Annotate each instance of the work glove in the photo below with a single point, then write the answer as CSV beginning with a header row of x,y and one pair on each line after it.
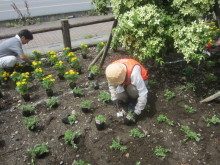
x,y
115,103
129,120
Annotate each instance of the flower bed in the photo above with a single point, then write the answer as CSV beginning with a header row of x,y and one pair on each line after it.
x,y
94,145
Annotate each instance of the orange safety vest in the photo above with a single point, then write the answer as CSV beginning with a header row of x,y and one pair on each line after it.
x,y
130,64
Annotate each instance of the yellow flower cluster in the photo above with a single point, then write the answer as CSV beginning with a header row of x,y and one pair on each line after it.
x,y
53,56
48,77
102,43
83,45
13,73
25,74
71,72
22,82
67,48
37,52
5,74
51,52
73,59
38,70
60,63
71,54
36,63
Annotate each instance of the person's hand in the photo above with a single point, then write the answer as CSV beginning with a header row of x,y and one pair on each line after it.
x,y
115,103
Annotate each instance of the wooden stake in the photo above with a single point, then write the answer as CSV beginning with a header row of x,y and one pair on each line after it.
x,y
210,98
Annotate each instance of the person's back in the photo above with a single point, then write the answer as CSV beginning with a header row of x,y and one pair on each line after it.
x,y
10,47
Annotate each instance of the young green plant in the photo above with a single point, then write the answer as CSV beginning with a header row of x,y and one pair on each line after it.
x,y
100,118
94,69
117,146
136,133
188,86
105,97
189,109
52,102
189,134
38,150
86,104
162,118
30,122
169,95
214,120
69,137
161,152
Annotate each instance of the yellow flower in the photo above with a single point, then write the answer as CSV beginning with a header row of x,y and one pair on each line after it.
x,y
18,83
73,59
52,79
71,54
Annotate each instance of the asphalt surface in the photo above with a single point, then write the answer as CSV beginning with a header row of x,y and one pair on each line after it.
x,y
53,41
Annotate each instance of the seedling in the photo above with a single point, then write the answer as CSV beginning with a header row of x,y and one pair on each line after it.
x,y
117,146
210,64
69,137
27,107
210,77
100,118
169,95
214,120
30,122
153,83
162,118
52,102
130,116
86,104
188,86
161,152
105,97
100,45
80,162
189,134
95,70
136,133
72,119
189,109
38,150
27,110
78,91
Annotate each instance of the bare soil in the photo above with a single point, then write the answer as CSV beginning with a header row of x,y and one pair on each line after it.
x,y
94,145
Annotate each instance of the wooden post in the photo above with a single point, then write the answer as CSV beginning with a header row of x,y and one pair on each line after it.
x,y
66,33
108,44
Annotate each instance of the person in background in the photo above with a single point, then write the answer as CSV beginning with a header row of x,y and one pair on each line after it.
x,y
127,80
11,51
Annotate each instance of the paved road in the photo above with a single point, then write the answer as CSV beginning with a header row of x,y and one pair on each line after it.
x,y
53,40
42,7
